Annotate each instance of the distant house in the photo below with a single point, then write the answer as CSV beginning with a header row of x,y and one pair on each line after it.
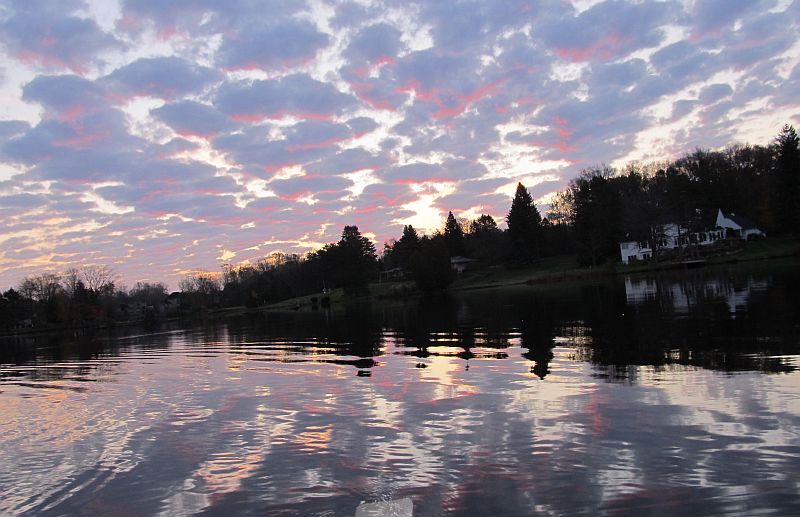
x,y
460,264
669,236
673,236
738,226
633,251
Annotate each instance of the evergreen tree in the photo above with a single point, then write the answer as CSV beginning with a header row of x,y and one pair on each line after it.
x,y
430,265
787,149
483,225
404,248
350,263
524,225
597,218
453,236
485,241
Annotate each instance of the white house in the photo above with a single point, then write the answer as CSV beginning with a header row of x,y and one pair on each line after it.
x,y
631,251
737,225
667,237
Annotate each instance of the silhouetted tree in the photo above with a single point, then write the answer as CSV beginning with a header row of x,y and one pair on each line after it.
x,y
596,216
98,279
430,265
148,293
398,253
524,225
787,157
350,263
11,309
485,241
200,290
360,262
453,235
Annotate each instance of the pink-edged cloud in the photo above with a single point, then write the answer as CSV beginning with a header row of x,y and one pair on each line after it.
x,y
162,77
296,95
191,118
51,36
606,30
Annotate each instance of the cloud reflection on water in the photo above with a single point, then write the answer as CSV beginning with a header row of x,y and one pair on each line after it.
x,y
266,414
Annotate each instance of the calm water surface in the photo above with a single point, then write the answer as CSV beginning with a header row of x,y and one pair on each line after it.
x,y
670,394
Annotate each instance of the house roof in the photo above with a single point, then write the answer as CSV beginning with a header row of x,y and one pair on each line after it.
x,y
742,221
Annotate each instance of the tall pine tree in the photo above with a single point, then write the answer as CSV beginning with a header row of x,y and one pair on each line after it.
x,y
787,145
453,236
524,225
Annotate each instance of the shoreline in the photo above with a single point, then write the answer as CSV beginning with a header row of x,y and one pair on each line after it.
x,y
548,271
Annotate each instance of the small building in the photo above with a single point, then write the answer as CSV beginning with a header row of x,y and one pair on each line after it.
x,y
738,226
388,275
460,264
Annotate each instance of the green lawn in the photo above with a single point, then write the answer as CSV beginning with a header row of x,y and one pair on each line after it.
x,y
762,250
551,269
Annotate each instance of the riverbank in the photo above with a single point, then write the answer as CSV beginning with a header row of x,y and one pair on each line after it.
x,y
551,270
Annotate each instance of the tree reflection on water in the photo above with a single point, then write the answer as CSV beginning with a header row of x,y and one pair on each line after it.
x,y
485,402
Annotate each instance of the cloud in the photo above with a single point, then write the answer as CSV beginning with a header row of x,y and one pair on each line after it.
x,y
714,93
22,201
68,96
350,14
50,36
467,23
161,77
280,45
200,16
683,61
190,118
711,16
326,187
296,95
12,128
379,43
348,160
606,30
255,152
447,171
477,193
362,125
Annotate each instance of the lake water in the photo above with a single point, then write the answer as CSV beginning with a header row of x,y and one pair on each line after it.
x,y
676,394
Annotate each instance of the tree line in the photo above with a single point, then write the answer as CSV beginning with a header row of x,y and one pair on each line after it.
x,y
603,206
599,208
78,297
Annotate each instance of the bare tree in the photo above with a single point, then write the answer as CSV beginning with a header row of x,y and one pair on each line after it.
x,y
97,278
200,282
149,294
72,281
27,288
201,289
47,286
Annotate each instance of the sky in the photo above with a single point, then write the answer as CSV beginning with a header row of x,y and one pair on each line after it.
x,y
160,138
